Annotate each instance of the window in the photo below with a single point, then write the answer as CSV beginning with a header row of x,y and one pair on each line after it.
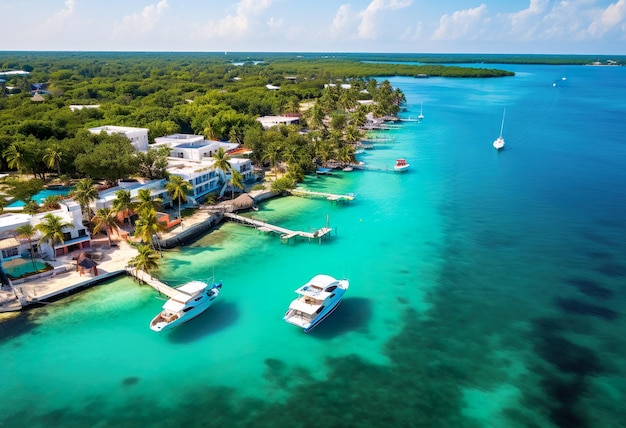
x,y
9,252
82,232
67,236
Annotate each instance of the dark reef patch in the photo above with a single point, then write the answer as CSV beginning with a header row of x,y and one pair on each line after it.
x,y
575,306
131,380
590,288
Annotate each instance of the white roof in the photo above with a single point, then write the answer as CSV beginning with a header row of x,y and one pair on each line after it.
x,y
192,287
305,308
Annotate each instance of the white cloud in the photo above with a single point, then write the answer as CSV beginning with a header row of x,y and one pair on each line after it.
x,y
608,19
57,19
368,28
462,24
146,20
342,19
236,25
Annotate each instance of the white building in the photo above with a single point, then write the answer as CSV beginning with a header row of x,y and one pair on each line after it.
x,y
76,238
75,107
137,136
269,121
156,187
192,147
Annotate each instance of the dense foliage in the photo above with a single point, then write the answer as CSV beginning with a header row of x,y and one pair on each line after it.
x,y
210,94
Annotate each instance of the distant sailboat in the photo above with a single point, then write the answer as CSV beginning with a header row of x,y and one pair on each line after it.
x,y
421,116
498,144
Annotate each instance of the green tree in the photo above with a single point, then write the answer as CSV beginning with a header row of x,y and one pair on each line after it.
x,y
148,227
178,188
146,201
23,190
53,155
106,218
236,180
146,260
51,229
123,204
17,157
85,193
27,231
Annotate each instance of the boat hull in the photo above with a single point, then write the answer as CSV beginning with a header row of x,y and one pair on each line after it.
x,y
159,323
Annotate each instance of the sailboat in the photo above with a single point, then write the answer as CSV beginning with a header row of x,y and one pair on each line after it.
x,y
421,116
498,144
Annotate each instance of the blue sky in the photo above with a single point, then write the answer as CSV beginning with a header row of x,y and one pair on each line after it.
x,y
419,26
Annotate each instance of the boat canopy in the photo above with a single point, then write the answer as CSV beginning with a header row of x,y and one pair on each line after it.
x,y
173,305
192,287
305,308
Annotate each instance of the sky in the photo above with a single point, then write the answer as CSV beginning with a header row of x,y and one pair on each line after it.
x,y
403,26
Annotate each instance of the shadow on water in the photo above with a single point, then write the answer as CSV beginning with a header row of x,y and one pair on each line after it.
x,y
590,288
353,314
216,318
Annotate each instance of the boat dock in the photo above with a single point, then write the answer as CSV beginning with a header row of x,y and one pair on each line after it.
x,y
328,196
285,234
159,286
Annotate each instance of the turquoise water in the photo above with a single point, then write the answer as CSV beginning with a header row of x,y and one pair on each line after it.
x,y
24,266
41,196
486,288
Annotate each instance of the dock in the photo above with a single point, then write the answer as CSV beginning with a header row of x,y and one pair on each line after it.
x,y
285,234
159,286
328,196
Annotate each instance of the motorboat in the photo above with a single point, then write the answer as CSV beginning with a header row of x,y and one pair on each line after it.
x,y
498,144
316,300
401,165
348,168
186,302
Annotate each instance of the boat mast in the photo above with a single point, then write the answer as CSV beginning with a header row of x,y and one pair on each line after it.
x,y
502,125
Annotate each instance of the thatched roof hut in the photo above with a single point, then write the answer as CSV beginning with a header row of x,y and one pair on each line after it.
x,y
243,202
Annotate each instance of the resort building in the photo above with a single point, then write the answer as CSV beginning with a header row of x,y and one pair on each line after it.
x,y
156,187
269,121
191,157
75,107
191,147
137,136
14,247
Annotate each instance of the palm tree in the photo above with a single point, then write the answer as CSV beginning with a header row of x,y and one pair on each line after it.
x,y
27,231
148,226
273,154
85,193
52,157
146,260
235,181
222,165
106,218
51,229
178,188
31,207
123,204
146,201
16,158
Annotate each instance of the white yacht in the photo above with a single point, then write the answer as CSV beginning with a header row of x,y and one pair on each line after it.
x,y
316,299
189,301
498,144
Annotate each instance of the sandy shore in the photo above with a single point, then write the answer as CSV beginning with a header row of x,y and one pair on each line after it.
x,y
110,259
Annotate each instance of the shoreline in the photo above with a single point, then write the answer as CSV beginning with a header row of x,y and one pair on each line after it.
x,y
65,279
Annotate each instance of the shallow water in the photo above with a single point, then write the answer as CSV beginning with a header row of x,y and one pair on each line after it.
x,y
486,288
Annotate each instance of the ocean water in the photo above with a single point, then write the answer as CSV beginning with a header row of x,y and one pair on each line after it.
x,y
486,288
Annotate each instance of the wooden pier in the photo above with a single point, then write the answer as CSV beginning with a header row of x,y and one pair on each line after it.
x,y
285,234
159,286
328,196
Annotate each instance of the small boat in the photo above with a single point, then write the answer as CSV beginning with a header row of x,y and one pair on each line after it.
x,y
316,300
324,171
348,168
498,144
421,115
192,299
401,165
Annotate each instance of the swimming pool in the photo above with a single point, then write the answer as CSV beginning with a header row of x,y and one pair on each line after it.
x,y
21,267
41,196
